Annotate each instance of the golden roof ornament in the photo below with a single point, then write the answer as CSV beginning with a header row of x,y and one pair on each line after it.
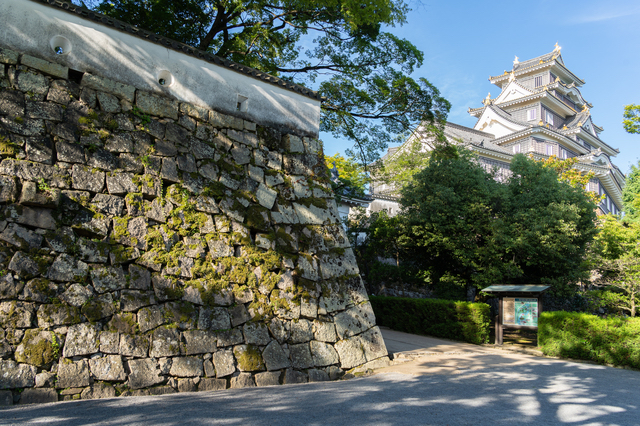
x,y
540,123
557,79
516,61
556,48
512,77
487,100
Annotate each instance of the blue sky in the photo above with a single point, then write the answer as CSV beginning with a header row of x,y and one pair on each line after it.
x,y
465,42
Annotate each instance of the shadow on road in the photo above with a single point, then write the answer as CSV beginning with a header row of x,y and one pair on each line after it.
x,y
452,389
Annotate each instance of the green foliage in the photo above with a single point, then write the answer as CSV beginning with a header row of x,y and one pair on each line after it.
x,y
550,226
460,225
361,70
631,120
615,255
581,336
413,156
353,179
450,221
456,320
631,195
574,177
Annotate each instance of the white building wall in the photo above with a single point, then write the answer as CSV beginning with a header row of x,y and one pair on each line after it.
x,y
30,27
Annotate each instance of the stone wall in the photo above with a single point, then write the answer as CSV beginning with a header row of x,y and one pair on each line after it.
x,y
151,246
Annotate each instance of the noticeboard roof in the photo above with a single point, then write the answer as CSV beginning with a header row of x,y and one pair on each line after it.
x,y
513,288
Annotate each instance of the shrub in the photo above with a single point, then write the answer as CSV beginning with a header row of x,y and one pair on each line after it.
x,y
456,320
611,340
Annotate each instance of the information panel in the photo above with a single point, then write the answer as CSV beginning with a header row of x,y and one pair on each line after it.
x,y
519,311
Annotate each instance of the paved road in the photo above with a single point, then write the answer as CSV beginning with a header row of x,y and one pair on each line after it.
x,y
466,387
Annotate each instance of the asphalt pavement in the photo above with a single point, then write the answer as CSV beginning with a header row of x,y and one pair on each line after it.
x,y
441,382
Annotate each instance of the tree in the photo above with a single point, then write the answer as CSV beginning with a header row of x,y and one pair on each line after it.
x,y
462,226
617,260
452,214
631,195
413,156
568,173
550,226
352,179
631,120
361,70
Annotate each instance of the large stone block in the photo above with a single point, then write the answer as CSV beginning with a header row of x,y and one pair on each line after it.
x,y
51,315
21,237
108,368
144,373
187,367
102,84
274,357
211,384
355,320
98,390
68,269
165,342
38,396
14,375
248,358
350,352
134,345
373,344
323,354
73,374
16,315
243,380
82,339
224,363
107,278
301,356
199,342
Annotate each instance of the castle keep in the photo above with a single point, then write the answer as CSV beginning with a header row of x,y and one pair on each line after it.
x,y
540,111
167,222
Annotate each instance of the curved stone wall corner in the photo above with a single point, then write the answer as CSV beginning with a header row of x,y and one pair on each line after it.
x,y
152,246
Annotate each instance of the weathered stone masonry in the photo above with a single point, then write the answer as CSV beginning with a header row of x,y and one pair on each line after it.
x,y
150,246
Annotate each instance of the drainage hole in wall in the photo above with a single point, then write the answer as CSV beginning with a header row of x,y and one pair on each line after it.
x,y
75,76
165,78
60,45
242,103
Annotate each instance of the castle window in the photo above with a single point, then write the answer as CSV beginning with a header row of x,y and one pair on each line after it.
x,y
563,153
531,114
548,116
516,149
549,150
538,81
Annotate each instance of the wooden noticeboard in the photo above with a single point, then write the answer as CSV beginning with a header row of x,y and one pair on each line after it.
x,y
519,307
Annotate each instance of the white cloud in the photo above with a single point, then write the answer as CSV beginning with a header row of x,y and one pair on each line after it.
x,y
603,13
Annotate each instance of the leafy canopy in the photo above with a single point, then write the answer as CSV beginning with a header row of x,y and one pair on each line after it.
x,y
616,258
462,225
631,195
631,120
352,179
339,47
569,174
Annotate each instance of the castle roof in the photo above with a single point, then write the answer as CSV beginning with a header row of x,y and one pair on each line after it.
x,y
547,60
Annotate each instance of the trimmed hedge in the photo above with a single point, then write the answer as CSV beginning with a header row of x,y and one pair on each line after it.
x,y
455,320
612,340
